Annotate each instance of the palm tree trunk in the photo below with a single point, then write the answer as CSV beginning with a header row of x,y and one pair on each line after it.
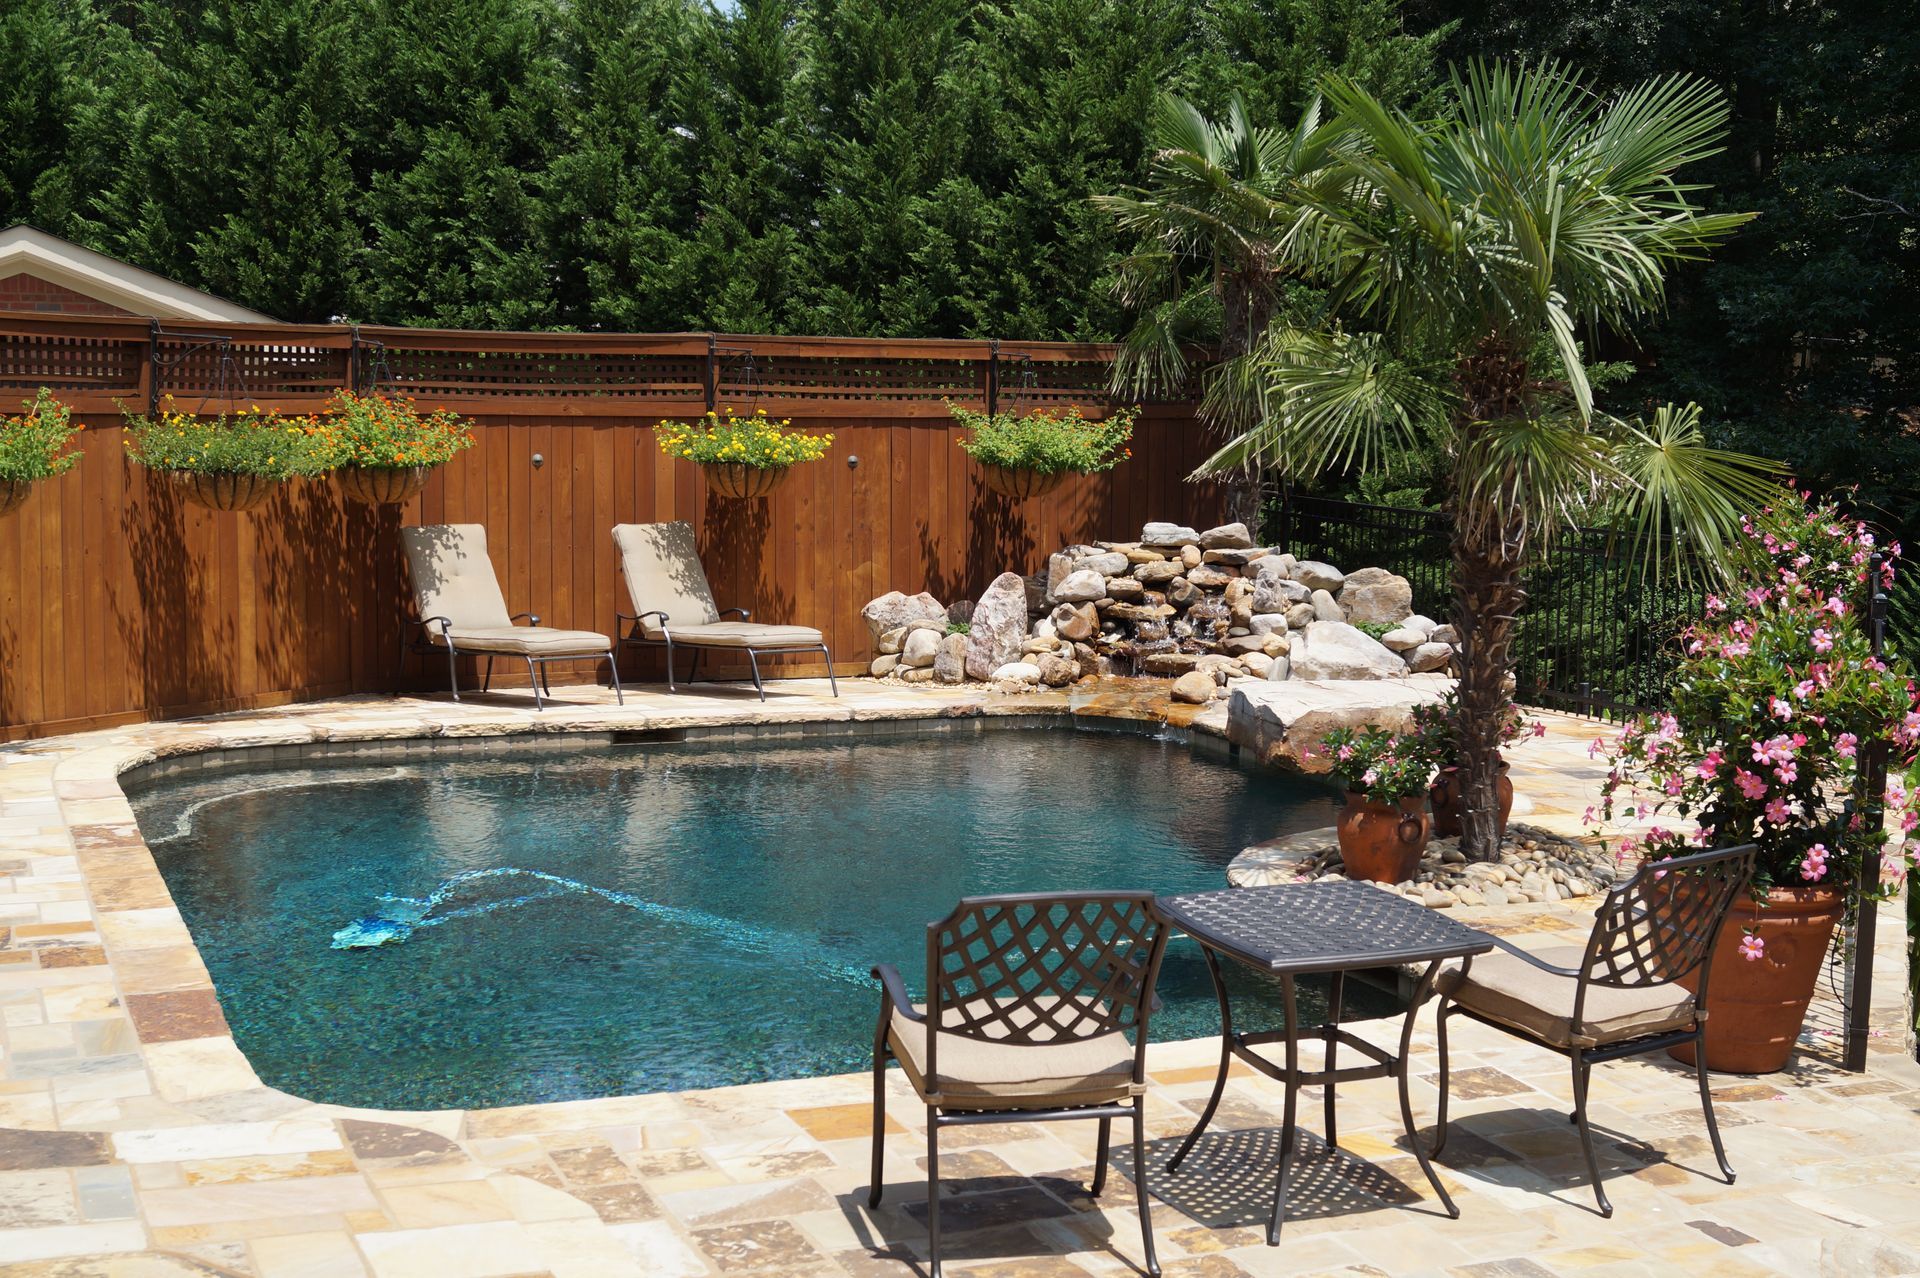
x,y
1247,306
1489,545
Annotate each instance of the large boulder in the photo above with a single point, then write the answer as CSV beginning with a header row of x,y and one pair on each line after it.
x,y
894,611
921,648
999,626
1282,724
1081,586
1315,575
950,663
1277,594
1335,650
1158,535
1226,537
1377,596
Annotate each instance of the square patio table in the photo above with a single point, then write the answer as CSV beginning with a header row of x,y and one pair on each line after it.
x,y
1297,929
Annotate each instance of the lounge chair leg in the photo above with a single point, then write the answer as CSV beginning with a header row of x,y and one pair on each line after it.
x,y
693,670
1706,1106
1100,1157
831,681
613,668
546,680
933,1192
533,674
1440,1117
754,662
1581,1070
1140,1180
486,676
879,1123
670,687
453,671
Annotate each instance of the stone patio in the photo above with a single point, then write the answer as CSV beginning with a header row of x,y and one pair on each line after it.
x,y
135,1138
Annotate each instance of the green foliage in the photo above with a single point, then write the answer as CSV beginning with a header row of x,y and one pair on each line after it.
x,y
1373,629
246,441
1045,441
36,444
959,628
387,431
1378,764
754,440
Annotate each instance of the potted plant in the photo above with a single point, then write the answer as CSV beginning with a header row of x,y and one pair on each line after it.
x,y
741,456
1029,454
231,462
383,446
1385,827
34,446
1435,723
1775,702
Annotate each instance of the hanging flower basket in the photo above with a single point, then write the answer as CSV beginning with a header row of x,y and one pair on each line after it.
x,y
225,490
33,446
742,482
383,485
1017,483
12,493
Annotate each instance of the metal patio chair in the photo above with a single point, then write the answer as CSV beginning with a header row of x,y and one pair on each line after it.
x,y
461,611
673,605
1030,998
1618,997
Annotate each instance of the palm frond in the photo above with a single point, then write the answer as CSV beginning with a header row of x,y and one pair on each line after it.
x,y
1687,498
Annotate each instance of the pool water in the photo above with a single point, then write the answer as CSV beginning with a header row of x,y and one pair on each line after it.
x,y
785,870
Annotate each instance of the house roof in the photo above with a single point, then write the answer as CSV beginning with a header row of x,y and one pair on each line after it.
x,y
28,249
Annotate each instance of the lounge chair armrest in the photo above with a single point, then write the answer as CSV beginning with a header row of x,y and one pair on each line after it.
x,y
533,618
894,991
426,622
636,618
1535,959
744,614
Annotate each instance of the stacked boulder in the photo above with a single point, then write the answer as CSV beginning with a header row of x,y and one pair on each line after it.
x,y
1203,607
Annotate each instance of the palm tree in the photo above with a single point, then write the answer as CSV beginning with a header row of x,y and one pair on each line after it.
x,y
1462,257
1221,196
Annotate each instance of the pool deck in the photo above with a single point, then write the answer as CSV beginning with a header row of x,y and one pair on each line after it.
x,y
135,1139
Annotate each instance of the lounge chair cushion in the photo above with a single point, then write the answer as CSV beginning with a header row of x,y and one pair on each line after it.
x,y
741,634
661,563
452,576
1539,1004
526,641
977,1074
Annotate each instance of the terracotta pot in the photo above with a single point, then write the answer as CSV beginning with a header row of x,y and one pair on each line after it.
x,y
225,491
1446,804
12,493
740,481
1383,841
1019,483
1755,1006
382,485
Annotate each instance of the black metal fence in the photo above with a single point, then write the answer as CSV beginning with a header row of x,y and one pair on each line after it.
x,y
1598,636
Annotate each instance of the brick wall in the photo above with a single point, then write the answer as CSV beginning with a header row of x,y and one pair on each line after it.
x,y
25,292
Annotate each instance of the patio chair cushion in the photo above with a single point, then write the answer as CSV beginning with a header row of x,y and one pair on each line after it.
x,y
1539,1004
526,641
452,576
661,563
741,634
978,1074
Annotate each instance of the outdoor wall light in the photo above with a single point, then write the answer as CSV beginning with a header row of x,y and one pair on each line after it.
x,y
853,459
539,460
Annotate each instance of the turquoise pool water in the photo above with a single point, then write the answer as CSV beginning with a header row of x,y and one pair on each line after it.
x,y
781,872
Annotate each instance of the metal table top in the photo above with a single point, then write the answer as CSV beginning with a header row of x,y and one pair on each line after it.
x,y
1320,927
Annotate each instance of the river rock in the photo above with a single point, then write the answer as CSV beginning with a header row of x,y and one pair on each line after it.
x,y
950,662
1238,558
1241,645
1123,588
883,665
1182,593
1403,638
1272,566
1226,537
1376,596
1158,573
1335,650
1140,612
1140,554
1429,656
1016,672
1107,564
1192,556
1425,625
1257,663
919,649
893,610
1315,575
915,674
1300,616
1268,623
1169,663
1210,577
1196,687
1077,622
1057,671
960,612
1159,535
1081,586
1445,634
999,625
1277,594
1325,609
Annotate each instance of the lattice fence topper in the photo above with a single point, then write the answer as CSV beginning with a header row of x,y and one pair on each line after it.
x,y
397,918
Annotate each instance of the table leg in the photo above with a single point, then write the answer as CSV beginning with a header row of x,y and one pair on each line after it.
x,y
1330,1031
1226,1061
1402,1070
1289,1132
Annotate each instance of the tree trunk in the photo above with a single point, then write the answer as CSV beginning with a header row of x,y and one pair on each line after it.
x,y
1489,545
1246,302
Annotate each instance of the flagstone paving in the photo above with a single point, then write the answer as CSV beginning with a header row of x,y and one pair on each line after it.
x,y
136,1140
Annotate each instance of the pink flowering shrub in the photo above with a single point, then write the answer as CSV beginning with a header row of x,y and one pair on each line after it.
x,y
1433,728
1776,694
1380,765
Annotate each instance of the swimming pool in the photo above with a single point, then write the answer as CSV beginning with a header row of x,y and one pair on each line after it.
x,y
775,875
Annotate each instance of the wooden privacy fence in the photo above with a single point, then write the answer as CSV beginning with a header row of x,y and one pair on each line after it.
x,y
120,602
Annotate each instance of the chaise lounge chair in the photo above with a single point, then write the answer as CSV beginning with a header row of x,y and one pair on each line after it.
x,y
463,613
673,605
1620,995
1029,1002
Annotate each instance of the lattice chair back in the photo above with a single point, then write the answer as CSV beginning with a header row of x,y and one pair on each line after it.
x,y
1040,969
1661,925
